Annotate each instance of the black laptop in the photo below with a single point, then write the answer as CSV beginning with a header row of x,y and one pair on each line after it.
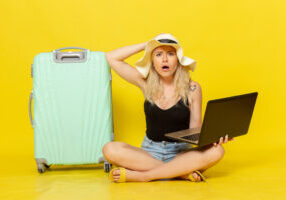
x,y
230,115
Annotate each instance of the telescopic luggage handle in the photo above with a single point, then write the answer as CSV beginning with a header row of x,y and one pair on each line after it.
x,y
30,112
64,48
69,57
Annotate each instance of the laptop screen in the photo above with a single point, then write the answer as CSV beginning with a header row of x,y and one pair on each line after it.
x,y
231,115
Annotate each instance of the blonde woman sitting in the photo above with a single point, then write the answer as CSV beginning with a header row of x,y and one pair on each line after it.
x,y
172,102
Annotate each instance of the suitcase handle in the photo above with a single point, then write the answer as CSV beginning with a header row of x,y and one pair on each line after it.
x,y
70,57
76,56
30,112
64,48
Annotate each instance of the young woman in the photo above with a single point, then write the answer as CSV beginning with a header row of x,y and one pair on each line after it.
x,y
172,102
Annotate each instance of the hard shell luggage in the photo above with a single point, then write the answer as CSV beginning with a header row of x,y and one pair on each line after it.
x,y
72,107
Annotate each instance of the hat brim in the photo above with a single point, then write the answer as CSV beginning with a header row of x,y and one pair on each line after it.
x,y
143,65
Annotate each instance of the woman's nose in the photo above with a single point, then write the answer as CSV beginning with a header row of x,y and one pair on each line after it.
x,y
165,57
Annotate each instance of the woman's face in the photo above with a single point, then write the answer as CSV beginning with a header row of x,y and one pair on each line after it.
x,y
165,60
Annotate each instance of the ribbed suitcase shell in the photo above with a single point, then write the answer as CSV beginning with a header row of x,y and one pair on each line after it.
x,y
72,109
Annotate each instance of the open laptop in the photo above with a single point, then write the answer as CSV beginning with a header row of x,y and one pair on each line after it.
x,y
230,115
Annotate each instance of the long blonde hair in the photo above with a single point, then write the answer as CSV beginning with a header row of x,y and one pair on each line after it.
x,y
154,87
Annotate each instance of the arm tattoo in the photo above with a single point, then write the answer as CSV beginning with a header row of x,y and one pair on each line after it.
x,y
193,87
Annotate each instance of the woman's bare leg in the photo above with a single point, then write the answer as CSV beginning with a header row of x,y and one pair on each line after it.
x,y
133,158
138,160
180,165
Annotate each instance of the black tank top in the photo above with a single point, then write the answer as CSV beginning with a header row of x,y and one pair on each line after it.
x,y
160,122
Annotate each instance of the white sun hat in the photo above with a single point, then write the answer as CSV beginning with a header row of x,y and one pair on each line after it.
x,y
143,65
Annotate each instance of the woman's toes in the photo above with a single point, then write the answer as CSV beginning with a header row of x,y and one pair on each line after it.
x,y
116,172
116,178
196,177
116,175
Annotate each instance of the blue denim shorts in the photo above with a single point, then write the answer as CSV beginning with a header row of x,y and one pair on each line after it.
x,y
164,151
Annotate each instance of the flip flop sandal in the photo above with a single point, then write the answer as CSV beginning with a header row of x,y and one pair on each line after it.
x,y
122,177
198,173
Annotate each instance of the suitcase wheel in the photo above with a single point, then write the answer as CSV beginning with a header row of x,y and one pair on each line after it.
x,y
41,168
42,165
107,167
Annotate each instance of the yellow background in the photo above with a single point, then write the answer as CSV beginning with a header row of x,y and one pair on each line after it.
x,y
239,47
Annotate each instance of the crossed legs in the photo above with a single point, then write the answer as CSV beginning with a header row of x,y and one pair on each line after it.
x,y
141,166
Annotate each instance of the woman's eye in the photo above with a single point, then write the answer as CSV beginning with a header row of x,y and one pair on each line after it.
x,y
158,54
171,53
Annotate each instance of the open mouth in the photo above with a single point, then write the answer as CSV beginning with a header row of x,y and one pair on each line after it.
x,y
165,68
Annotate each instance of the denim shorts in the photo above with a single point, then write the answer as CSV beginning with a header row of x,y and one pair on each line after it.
x,y
164,151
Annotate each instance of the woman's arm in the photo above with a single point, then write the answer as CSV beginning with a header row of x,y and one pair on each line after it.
x,y
195,105
116,57
196,110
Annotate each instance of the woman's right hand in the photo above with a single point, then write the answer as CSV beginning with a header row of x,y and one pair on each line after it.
x,y
223,140
120,54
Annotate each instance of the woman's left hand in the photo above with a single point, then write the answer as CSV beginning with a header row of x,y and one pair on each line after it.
x,y
223,140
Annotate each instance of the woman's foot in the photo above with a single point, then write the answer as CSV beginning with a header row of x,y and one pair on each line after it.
x,y
194,174
137,176
131,176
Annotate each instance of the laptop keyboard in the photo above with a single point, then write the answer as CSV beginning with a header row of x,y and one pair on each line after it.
x,y
193,137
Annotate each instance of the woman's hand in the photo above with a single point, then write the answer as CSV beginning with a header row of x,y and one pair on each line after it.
x,y
223,140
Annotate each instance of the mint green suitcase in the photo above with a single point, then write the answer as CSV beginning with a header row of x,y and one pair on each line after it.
x,y
72,107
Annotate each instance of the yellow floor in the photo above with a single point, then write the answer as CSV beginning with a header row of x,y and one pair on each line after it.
x,y
244,173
